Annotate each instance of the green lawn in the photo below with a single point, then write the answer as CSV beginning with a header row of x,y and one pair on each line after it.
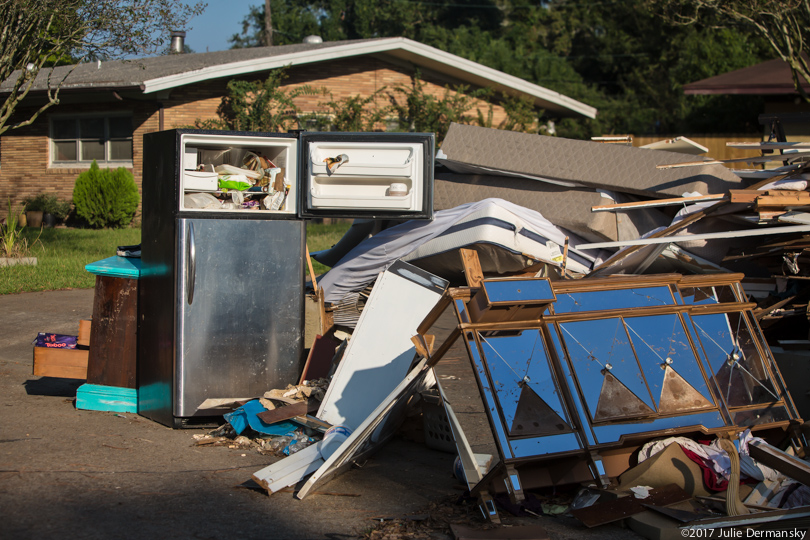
x,y
63,253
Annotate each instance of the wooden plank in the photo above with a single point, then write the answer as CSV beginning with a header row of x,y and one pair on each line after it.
x,y
769,145
675,201
289,470
754,159
84,332
319,359
691,237
610,511
745,196
472,267
92,397
280,414
66,363
113,335
311,271
783,462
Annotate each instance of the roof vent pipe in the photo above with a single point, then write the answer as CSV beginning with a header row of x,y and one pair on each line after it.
x,y
313,39
178,45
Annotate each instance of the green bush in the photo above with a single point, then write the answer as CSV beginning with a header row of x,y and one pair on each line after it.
x,y
106,197
49,204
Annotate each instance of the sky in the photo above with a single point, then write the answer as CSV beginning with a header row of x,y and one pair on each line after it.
x,y
220,20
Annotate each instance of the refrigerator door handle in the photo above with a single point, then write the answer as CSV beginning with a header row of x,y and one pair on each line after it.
x,y
191,269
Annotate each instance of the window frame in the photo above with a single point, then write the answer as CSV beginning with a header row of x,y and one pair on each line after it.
x,y
77,139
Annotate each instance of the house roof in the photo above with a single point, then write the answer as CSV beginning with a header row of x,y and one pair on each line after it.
x,y
771,77
161,73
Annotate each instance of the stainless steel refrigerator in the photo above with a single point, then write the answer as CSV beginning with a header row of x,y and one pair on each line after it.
x,y
221,292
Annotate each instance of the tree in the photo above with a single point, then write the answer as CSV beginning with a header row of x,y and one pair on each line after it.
x,y
259,105
37,35
782,23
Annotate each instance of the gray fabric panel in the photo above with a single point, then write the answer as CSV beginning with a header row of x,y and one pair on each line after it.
x,y
599,165
568,208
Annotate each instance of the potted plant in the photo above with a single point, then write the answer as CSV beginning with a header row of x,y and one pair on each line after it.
x,y
45,209
34,210
55,210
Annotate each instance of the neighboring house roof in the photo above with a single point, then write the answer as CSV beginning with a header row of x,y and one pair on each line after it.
x,y
771,77
160,73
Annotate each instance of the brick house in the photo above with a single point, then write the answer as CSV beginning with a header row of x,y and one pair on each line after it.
x,y
773,81
106,107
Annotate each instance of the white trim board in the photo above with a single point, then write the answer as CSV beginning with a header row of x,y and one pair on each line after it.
x,y
369,432
380,351
402,48
691,237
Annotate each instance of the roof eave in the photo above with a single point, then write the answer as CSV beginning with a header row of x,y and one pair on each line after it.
x,y
741,90
463,69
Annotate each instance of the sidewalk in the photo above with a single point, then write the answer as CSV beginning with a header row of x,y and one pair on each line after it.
x,y
67,473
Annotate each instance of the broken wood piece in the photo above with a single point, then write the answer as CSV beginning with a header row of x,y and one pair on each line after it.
x,y
311,270
768,145
691,237
782,199
676,201
618,509
287,412
84,333
472,267
783,462
753,159
290,470
64,363
320,358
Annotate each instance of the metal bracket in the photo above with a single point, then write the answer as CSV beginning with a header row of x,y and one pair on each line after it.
x,y
513,485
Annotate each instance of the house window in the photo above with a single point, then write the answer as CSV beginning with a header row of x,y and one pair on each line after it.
x,y
106,139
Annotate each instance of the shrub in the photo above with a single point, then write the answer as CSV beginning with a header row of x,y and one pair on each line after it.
x,y
106,197
49,204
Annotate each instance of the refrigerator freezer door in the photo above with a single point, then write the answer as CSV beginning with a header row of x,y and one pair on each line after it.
x,y
239,309
372,175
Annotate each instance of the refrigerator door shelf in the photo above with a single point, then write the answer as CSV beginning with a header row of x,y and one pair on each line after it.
x,y
364,159
367,192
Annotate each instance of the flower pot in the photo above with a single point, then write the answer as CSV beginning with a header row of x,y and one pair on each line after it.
x,y
22,221
49,220
34,218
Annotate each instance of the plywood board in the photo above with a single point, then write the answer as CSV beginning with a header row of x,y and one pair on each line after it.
x,y
66,363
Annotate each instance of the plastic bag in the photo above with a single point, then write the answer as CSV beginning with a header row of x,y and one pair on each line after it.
x,y
200,200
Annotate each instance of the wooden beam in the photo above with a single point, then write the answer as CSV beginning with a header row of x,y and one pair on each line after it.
x,y
692,237
658,202
472,267
769,145
753,159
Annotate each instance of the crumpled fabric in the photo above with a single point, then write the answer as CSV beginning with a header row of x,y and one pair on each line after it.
x,y
716,458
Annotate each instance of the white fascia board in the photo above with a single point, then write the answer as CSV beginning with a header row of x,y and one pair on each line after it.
x,y
468,70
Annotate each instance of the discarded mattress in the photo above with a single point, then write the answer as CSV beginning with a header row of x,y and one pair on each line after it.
x,y
566,207
494,222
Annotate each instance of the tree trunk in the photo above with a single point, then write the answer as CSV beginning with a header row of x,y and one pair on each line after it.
x,y
268,24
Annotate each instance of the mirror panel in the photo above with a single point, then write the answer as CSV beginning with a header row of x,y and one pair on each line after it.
x,y
616,299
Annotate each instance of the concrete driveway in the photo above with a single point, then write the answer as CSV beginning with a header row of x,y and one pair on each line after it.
x,y
67,473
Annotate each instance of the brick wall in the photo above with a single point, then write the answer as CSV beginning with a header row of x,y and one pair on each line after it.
x,y
24,152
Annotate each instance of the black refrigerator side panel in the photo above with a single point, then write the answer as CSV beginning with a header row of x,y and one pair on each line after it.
x,y
156,328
